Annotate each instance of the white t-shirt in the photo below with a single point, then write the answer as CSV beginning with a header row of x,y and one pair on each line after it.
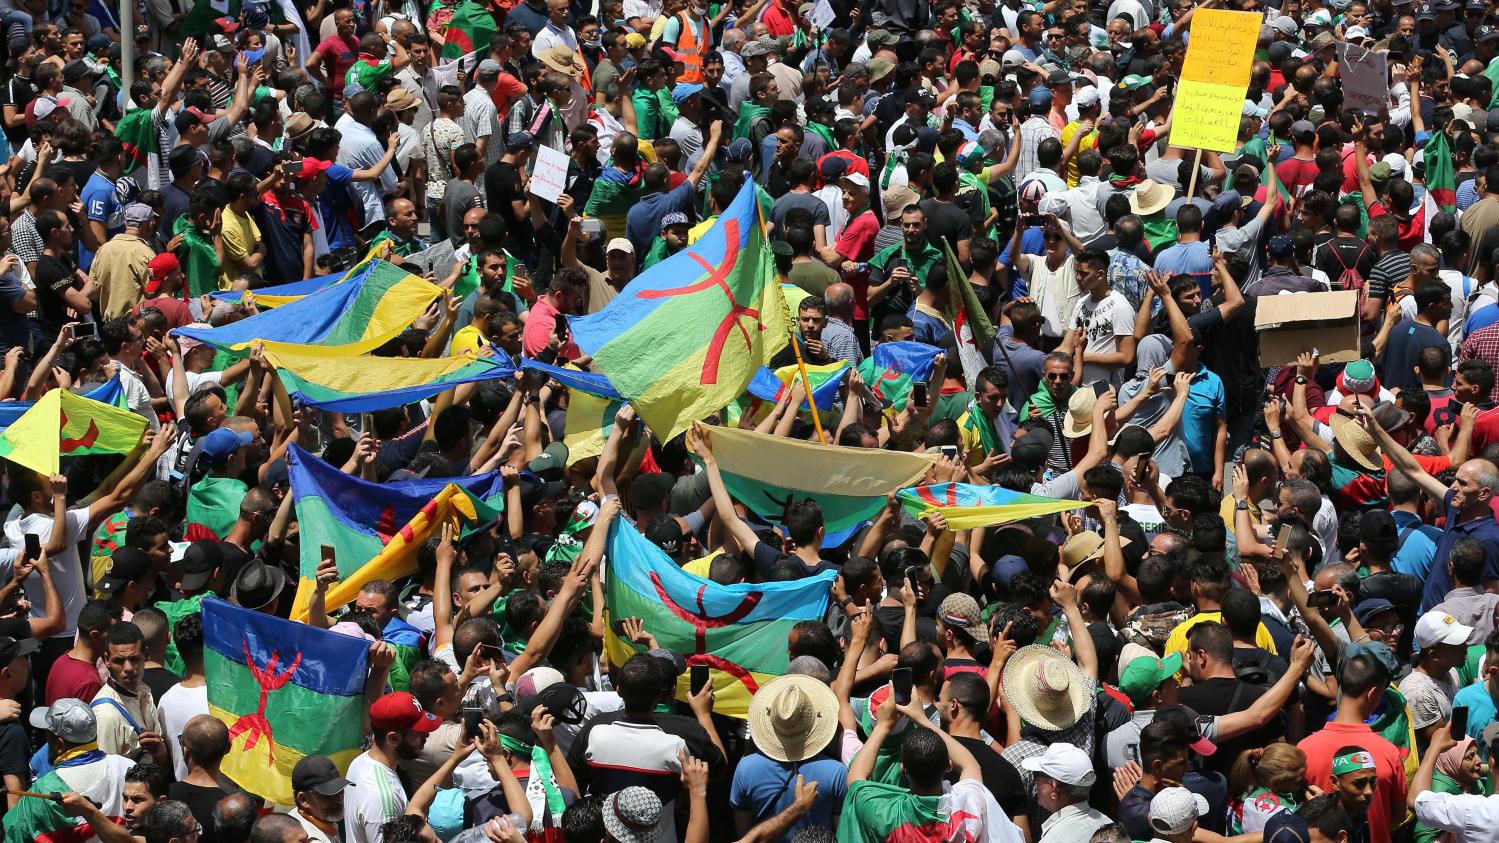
x,y
67,571
1104,322
137,397
177,706
194,380
1054,291
375,798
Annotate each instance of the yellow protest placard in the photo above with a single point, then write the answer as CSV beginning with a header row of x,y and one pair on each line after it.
x,y
1221,48
1207,116
1215,76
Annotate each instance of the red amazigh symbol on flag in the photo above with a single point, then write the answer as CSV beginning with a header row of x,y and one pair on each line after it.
x,y
717,277
887,375
386,529
951,497
85,441
268,680
701,623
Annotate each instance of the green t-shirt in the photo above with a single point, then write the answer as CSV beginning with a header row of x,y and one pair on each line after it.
x,y
200,261
367,74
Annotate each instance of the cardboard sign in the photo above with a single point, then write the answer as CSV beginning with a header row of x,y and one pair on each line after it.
x,y
1291,323
549,177
1364,74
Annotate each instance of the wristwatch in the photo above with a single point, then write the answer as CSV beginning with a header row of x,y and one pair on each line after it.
x,y
1242,505
1275,434
1301,380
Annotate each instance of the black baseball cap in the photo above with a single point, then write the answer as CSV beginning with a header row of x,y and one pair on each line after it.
x,y
12,648
199,562
318,774
127,564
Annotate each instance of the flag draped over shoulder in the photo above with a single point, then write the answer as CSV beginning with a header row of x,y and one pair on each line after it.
x,y
63,424
469,29
138,136
592,404
366,384
966,506
213,507
769,473
1441,177
684,338
737,630
286,690
375,528
353,317
110,392
970,323
826,379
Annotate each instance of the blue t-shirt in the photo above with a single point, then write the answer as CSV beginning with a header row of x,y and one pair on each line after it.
x,y
99,205
1481,318
1439,580
758,779
1480,704
1206,404
1194,259
643,222
334,203
1418,544
1032,242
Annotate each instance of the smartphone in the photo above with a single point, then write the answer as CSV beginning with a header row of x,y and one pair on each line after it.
x,y
1033,219
472,715
1141,466
86,330
699,678
593,227
492,652
900,678
1100,388
559,327
1283,537
1322,600
33,546
919,394
1459,725
950,452
292,168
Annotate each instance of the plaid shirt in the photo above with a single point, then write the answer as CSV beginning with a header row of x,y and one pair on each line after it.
x,y
1034,741
24,241
1482,344
1032,132
841,342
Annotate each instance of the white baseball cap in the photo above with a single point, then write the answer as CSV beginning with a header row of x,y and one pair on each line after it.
x,y
620,244
1085,97
1435,628
1174,809
1063,762
857,178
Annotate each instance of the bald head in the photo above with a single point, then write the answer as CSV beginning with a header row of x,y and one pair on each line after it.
x,y
840,298
207,739
1259,465
277,828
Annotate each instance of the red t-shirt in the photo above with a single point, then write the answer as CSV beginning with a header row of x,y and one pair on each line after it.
x,y
777,20
1295,174
176,311
538,331
856,243
1388,806
1412,231
70,677
339,54
506,91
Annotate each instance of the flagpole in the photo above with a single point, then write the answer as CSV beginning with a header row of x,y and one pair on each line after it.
x,y
801,365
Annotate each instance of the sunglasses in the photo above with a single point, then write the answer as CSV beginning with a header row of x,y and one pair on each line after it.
x,y
1057,376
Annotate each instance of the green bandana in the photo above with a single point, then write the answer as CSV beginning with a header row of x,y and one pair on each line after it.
x,y
749,114
541,785
988,437
1352,762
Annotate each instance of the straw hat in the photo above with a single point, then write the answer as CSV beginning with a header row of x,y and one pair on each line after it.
x,y
1150,196
1046,688
793,717
561,59
1356,442
1083,548
1079,413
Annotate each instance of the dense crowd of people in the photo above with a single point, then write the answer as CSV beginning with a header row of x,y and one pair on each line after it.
x,y
1273,615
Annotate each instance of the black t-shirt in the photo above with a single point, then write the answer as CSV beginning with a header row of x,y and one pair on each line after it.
x,y
946,220
200,800
53,277
501,187
1343,253
888,620
160,680
1000,776
19,92
1222,696
14,755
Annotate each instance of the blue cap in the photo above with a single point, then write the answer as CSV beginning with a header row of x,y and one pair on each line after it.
x,y
446,814
1040,99
1007,568
683,90
1377,649
740,150
1280,246
1367,609
223,442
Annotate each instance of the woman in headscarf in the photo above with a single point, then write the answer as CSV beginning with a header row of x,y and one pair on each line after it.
x,y
1459,770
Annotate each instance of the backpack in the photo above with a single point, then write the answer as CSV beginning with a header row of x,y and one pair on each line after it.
x,y
1350,278
1151,626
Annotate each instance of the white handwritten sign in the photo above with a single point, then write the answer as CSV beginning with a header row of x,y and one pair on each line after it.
x,y
823,15
549,177
1364,74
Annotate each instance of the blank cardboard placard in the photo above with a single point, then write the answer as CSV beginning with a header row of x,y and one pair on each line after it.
x,y
1291,323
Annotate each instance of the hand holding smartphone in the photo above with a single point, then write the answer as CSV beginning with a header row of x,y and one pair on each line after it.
x,y
900,679
33,547
699,678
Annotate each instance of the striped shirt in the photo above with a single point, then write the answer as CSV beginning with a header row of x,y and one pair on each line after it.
x,y
375,798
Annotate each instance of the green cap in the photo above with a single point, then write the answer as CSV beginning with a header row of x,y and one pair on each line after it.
x,y
1133,82
1145,674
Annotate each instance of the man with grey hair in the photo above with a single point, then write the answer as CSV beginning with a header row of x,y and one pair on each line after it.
x,y
1467,503
810,666
733,64
838,335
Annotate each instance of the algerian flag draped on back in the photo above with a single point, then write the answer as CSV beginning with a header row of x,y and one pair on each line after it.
x,y
139,137
685,337
469,30
1441,178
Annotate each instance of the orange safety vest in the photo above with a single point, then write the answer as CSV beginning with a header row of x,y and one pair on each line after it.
x,y
692,49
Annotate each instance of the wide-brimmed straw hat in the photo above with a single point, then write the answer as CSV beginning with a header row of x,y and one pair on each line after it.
x,y
793,717
1046,688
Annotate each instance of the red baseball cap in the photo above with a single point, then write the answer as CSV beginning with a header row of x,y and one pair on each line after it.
x,y
400,712
311,167
161,266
